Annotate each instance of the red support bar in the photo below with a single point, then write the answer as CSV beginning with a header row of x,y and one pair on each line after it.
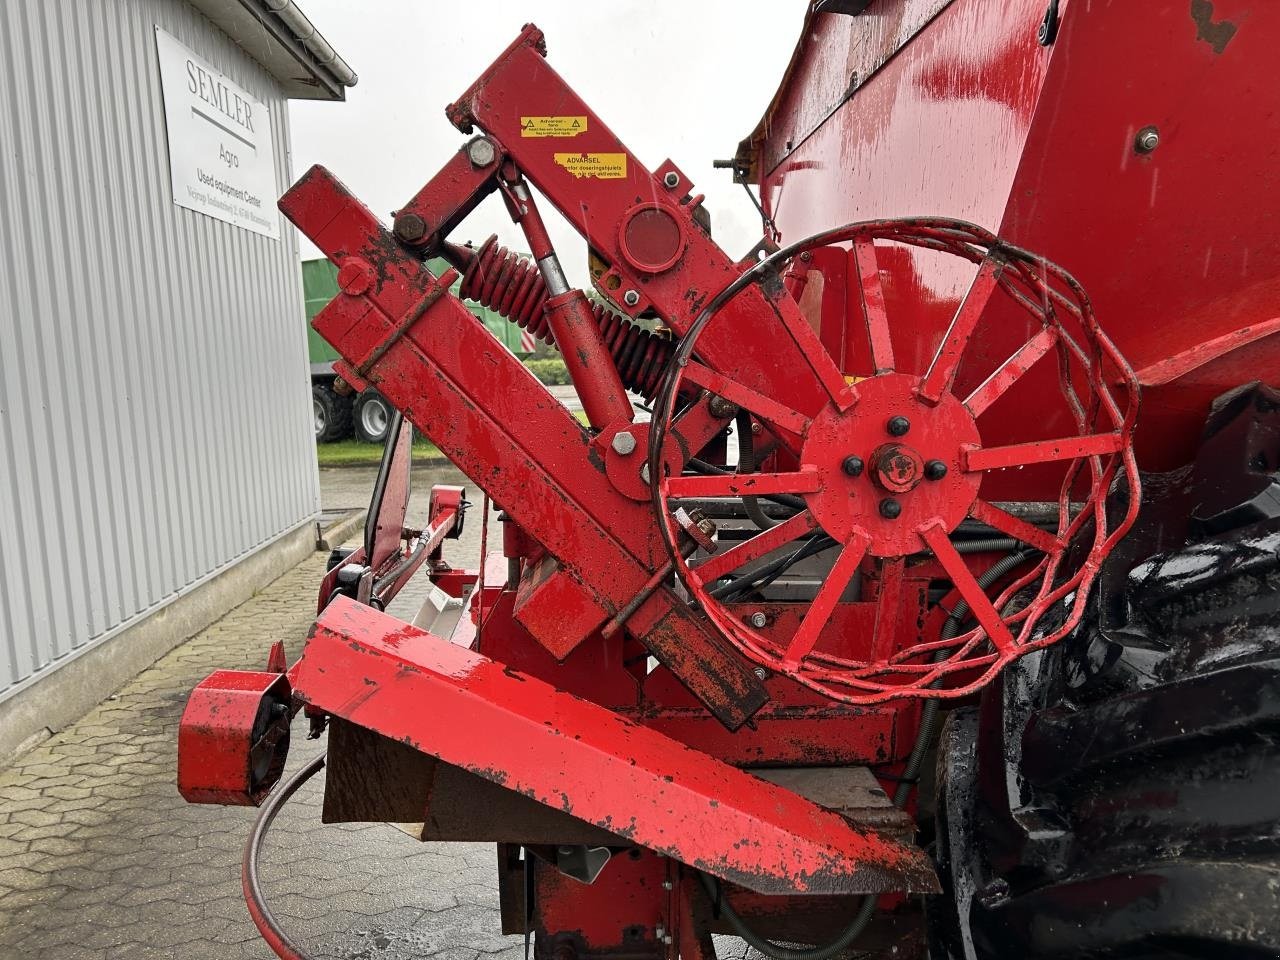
x,y
757,403
829,594
755,548
935,535
1041,451
804,480
580,758
873,310
1015,527
1011,371
946,361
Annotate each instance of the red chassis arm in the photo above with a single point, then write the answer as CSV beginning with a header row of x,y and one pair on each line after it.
x,y
523,734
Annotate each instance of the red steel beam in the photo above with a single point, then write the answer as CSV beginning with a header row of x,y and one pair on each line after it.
x,y
433,359
524,734
596,182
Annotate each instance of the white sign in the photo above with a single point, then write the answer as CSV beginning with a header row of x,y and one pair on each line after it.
x,y
220,159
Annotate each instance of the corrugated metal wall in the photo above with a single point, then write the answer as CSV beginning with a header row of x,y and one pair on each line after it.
x,y
154,421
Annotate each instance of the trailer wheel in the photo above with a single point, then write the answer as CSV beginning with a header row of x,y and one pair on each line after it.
x,y
372,417
331,413
1119,795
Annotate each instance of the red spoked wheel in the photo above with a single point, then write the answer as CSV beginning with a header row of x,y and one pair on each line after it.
x,y
894,462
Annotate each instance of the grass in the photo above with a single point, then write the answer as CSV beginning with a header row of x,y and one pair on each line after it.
x,y
348,453
351,453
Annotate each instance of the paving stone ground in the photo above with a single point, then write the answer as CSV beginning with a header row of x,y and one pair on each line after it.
x,y
100,859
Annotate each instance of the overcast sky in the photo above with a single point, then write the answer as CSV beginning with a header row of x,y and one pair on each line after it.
x,y
682,80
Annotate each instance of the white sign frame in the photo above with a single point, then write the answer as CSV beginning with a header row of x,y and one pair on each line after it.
x,y
221,156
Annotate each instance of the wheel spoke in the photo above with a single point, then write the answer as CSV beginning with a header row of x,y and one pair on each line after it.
x,y
888,605
1015,527
1042,451
804,480
762,406
820,362
942,370
806,637
755,548
935,535
1011,371
864,255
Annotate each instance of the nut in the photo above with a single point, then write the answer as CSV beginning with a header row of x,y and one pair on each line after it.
x,y
758,619
481,152
671,179
631,298
1148,139
623,443
410,227
761,673
722,409
644,472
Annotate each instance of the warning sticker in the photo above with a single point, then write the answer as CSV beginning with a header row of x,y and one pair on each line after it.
x,y
552,126
604,166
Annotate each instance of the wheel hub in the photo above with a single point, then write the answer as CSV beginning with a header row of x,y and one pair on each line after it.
x,y
914,473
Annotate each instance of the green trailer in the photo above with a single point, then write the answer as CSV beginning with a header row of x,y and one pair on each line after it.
x,y
338,412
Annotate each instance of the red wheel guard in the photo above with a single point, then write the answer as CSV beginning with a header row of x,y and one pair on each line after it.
x,y
578,757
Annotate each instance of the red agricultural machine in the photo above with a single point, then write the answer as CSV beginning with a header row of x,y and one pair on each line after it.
x,y
869,613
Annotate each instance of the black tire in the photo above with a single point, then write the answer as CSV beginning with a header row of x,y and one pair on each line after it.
x,y
371,417
331,412
1118,795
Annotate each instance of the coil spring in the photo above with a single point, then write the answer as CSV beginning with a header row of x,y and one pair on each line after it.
x,y
511,286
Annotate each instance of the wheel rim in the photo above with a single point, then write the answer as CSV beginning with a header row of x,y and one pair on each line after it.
x,y
374,418
318,415
919,464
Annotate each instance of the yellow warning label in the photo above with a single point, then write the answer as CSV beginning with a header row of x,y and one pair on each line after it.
x,y
552,126
604,166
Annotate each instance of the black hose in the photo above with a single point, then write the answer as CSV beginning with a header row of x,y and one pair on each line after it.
x,y
747,464
263,918
778,952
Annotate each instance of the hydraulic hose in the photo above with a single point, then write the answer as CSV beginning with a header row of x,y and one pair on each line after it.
x,y
263,918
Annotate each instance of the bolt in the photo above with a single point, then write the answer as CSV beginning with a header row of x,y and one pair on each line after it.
x,y
1147,140
761,673
623,442
631,298
994,893
890,508
644,472
852,466
898,426
481,152
721,408
666,885
758,619
666,939
671,179
659,931
410,228
935,469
